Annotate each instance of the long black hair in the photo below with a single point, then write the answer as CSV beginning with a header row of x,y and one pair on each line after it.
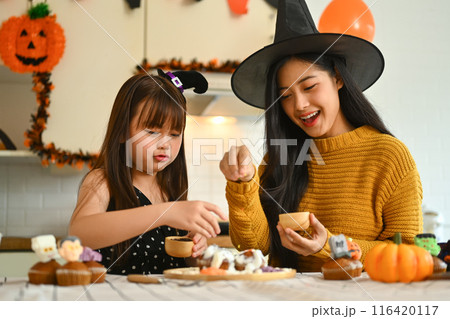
x,y
163,103
285,185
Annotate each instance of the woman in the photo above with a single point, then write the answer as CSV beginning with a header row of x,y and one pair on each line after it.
x,y
359,180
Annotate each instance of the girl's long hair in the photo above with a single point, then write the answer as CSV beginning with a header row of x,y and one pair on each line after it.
x,y
285,185
163,104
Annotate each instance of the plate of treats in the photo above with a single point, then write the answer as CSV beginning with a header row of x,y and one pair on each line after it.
x,y
218,263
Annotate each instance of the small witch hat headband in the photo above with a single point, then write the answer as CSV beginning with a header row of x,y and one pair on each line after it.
x,y
185,80
296,34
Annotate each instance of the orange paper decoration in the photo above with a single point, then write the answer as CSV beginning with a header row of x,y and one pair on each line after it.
x,y
350,17
31,44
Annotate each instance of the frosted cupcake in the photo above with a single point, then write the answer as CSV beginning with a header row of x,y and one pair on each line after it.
x,y
91,259
216,257
344,263
44,272
73,272
250,260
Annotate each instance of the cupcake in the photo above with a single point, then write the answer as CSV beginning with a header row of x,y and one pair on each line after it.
x,y
73,272
341,269
345,262
216,257
250,260
91,259
44,272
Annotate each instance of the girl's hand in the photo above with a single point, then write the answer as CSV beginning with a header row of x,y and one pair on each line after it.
x,y
194,216
304,246
200,244
236,165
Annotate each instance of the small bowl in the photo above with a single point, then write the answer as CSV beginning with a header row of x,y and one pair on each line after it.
x,y
177,246
295,221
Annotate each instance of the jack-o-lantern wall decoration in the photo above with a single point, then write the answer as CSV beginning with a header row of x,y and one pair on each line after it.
x,y
33,42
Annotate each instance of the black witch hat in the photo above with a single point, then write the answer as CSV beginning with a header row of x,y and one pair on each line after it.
x,y
186,79
296,33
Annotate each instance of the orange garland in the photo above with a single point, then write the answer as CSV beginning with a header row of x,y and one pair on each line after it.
x,y
33,137
176,64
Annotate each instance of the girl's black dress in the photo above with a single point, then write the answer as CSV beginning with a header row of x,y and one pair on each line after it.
x,y
146,254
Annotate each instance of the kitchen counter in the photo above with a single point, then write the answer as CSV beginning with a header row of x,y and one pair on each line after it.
x,y
308,286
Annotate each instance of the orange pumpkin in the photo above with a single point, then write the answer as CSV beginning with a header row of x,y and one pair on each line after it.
x,y
31,44
398,262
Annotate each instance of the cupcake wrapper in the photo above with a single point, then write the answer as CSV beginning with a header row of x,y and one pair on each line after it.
x,y
38,277
68,277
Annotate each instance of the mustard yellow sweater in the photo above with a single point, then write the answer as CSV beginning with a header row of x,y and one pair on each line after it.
x,y
368,189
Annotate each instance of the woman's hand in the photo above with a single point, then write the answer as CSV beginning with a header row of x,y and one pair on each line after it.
x,y
200,244
194,216
304,246
236,165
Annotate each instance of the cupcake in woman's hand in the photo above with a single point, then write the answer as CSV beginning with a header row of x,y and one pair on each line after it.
x,y
91,259
44,272
73,272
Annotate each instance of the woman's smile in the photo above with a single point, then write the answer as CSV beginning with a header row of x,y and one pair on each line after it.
x,y
310,119
311,100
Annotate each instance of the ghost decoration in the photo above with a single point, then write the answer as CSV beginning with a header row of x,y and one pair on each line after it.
x,y
45,247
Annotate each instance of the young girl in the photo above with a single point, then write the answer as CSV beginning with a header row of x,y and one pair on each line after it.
x,y
368,188
135,196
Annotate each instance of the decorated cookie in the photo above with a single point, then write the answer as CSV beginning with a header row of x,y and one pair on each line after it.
x,y
428,242
70,248
44,272
45,247
354,249
338,246
73,272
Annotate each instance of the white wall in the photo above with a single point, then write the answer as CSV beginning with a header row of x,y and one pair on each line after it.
x,y
411,94
104,43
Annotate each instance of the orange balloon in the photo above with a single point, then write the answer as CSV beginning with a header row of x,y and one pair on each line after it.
x,y
238,6
349,17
